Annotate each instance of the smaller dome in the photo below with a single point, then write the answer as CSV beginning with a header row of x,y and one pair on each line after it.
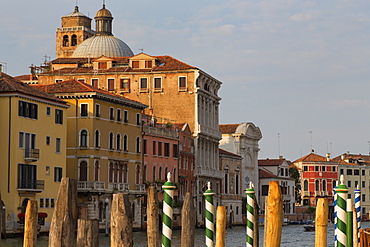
x,y
75,13
103,13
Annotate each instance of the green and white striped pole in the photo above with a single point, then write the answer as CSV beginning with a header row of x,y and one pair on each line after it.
x,y
210,211
349,232
250,214
341,209
168,188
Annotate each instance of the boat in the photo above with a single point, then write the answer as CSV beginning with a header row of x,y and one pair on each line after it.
x,y
309,228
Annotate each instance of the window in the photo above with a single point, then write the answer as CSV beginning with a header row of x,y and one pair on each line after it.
x,y
349,196
65,40
47,140
95,82
47,170
52,202
48,111
166,149
111,113
323,168
58,116
27,176
317,185
182,83
28,110
349,171
125,116
47,202
144,146
154,148
74,40
363,184
111,143
41,202
137,144
363,172
349,182
83,138
305,168
356,183
135,64
160,148
154,171
84,110
102,65
334,169
21,140
96,170
97,110
341,171
119,117
97,138
265,190
125,84
317,168
356,172
305,185
138,119
57,145
118,142
125,143
363,197
58,173
143,84
110,84
157,83
82,171
148,64
175,151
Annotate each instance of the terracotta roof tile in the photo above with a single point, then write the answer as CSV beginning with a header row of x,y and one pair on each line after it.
x,y
311,158
228,128
270,162
265,174
10,85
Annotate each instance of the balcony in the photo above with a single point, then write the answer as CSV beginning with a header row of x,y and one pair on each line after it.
x,y
318,193
208,172
31,155
306,193
326,193
119,187
90,186
29,185
139,189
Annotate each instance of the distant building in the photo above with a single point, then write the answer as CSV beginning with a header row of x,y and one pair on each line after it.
x,y
242,139
231,189
33,134
317,175
276,170
104,147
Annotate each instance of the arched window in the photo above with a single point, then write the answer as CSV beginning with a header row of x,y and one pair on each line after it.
x,y
324,185
174,175
74,40
116,172
120,173
305,185
138,174
160,173
125,172
118,141
97,139
111,168
165,174
96,170
83,171
226,183
144,174
237,184
237,210
83,138
111,141
154,171
137,144
317,185
65,40
125,143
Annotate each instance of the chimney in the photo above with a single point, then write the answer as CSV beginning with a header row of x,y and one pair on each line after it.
x,y
327,156
342,156
281,157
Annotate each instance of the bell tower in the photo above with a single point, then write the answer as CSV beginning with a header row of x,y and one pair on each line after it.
x,y
76,27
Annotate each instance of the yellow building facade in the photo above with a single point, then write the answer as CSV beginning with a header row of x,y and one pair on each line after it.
x,y
32,150
103,146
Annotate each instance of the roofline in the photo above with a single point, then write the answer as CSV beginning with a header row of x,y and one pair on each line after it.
x,y
60,103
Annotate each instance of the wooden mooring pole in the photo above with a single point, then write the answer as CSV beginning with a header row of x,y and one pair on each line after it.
x,y
87,233
321,222
64,220
220,226
30,225
153,232
121,222
274,216
187,221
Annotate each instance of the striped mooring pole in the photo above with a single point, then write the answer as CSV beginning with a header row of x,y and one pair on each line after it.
x,y
350,222
168,188
335,211
210,211
358,212
341,209
250,215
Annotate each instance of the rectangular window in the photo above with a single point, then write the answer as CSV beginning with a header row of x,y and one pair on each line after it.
x,y
323,168
125,116
356,172
125,84
57,145
182,83
317,168
349,196
135,64
58,116
166,149
138,119
356,183
157,83
111,113
349,171
154,148
305,168
363,197
144,146
148,64
143,84
21,139
28,110
58,174
47,170
119,117
160,148
52,202
175,151
102,65
341,171
95,82
33,141
349,182
334,169
97,110
363,172
363,184
47,140
47,203
84,110
110,84
265,190
27,176
48,111
41,202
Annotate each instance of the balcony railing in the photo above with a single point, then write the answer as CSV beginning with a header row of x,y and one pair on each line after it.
x,y
318,193
31,155
306,193
31,185
118,187
208,172
140,187
90,186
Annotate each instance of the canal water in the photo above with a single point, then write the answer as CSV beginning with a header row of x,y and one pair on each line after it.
x,y
293,236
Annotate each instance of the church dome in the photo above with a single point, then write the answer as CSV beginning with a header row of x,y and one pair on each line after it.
x,y
103,12
106,45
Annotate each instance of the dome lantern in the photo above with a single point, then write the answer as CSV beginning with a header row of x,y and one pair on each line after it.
x,y
103,22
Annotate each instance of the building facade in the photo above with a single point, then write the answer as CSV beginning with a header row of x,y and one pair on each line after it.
x,y
33,159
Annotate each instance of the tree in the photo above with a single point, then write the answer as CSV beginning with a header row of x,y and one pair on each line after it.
x,y
294,173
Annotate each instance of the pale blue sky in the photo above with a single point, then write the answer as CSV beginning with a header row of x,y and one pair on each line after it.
x,y
290,67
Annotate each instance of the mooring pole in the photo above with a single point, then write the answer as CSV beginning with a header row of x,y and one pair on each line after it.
x,y
168,188
210,211
341,208
358,212
250,215
321,222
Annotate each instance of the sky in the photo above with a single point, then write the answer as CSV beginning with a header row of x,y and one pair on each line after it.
x,y
298,70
